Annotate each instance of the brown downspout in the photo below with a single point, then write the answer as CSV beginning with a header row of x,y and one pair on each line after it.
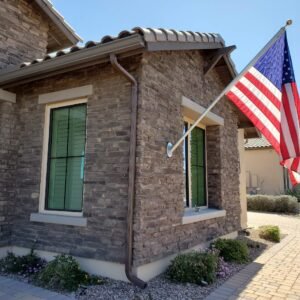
x,y
131,174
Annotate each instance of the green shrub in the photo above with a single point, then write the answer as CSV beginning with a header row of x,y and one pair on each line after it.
x,y
270,233
193,267
267,203
295,192
64,273
25,265
232,250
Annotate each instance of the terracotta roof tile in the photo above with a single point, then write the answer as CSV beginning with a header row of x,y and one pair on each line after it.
x,y
257,143
150,35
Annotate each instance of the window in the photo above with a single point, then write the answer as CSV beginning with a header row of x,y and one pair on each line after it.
x,y
66,153
194,166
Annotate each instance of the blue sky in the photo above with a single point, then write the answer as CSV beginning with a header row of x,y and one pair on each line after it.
x,y
248,24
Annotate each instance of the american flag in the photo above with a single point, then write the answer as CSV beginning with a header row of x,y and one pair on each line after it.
x,y
267,94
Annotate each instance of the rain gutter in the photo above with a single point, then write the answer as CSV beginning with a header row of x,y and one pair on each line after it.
x,y
131,173
72,61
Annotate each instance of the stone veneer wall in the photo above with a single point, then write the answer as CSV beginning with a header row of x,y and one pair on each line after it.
x,y
23,37
165,78
23,34
8,158
106,166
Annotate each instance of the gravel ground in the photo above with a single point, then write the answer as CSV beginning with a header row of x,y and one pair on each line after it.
x,y
161,288
157,289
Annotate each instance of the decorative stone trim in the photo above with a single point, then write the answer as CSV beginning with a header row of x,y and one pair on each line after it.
x,y
7,96
191,216
58,219
112,269
193,110
64,95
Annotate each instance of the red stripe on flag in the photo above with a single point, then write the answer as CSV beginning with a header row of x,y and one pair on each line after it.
x,y
256,121
283,148
296,97
289,117
244,89
295,164
265,90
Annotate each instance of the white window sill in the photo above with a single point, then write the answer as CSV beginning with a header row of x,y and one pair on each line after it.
x,y
191,216
58,219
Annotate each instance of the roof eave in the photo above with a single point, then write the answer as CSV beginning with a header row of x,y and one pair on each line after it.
x,y
61,24
76,60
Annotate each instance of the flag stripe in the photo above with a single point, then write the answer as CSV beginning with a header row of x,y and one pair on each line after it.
x,y
264,89
288,125
261,97
257,121
286,136
266,82
292,94
284,152
257,112
267,94
259,104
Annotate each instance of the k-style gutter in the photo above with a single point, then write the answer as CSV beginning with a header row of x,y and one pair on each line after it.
x,y
83,58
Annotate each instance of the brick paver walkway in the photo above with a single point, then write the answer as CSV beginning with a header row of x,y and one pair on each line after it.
x,y
273,275
11,289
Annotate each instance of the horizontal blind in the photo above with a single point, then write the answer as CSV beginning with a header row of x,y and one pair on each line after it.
x,y
66,158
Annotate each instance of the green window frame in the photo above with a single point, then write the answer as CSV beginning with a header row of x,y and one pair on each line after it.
x,y
194,154
66,155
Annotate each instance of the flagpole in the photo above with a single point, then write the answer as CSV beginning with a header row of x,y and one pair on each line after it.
x,y
170,146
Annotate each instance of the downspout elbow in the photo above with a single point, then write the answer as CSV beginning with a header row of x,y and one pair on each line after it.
x,y
131,174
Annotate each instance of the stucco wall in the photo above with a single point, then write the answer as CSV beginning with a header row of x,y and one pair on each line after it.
x,y
265,170
165,78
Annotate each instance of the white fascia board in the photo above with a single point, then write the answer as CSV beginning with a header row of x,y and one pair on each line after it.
x,y
193,110
7,96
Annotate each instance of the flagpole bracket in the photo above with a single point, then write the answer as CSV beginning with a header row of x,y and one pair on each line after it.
x,y
169,149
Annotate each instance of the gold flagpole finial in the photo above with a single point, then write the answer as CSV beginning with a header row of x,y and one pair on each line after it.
x,y
289,22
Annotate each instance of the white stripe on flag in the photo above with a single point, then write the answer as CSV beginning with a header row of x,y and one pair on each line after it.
x,y
293,108
257,112
286,134
272,108
266,82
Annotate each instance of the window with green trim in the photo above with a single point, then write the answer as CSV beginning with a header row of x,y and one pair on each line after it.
x,y
66,153
194,156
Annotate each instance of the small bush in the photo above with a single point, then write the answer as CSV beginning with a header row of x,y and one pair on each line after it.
x,y
270,233
64,274
295,192
25,265
232,250
267,203
223,269
194,267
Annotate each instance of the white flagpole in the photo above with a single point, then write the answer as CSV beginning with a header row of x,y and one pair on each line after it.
x,y
170,146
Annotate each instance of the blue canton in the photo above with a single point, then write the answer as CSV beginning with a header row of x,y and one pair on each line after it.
x,y
288,72
270,64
